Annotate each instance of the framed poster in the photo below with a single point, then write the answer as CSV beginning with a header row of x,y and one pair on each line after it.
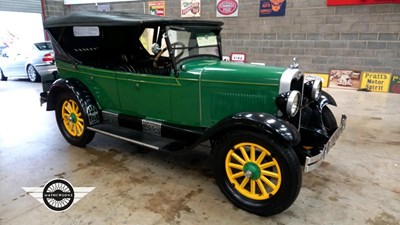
x,y
395,84
347,79
272,8
227,8
323,77
377,82
190,8
156,8
360,2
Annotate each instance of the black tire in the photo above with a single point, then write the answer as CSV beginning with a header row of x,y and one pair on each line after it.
x,y
3,78
32,74
286,168
329,120
73,125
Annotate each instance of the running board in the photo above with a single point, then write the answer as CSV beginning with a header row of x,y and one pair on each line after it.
x,y
139,138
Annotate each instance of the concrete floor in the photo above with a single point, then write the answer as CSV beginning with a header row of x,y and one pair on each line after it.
x,y
359,183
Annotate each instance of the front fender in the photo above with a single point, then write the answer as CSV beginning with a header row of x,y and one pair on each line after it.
x,y
80,92
324,100
260,122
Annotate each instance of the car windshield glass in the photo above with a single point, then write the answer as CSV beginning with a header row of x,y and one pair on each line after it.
x,y
193,42
44,46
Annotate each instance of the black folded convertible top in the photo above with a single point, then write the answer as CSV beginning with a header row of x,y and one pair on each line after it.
x,y
120,19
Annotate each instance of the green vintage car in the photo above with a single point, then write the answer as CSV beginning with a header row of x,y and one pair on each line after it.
x,y
161,83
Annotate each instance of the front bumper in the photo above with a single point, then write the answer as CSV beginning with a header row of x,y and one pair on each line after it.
x,y
313,162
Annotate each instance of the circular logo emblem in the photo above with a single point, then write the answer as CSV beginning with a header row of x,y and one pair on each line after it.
x,y
227,7
396,88
58,195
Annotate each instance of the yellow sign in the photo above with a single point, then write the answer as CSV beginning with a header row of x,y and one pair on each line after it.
x,y
373,81
323,77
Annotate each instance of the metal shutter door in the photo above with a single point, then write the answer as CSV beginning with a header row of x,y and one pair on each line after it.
x,y
31,6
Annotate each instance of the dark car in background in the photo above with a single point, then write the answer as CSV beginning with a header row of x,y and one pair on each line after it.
x,y
32,62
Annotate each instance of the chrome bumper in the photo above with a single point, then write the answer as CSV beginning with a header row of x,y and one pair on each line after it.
x,y
313,162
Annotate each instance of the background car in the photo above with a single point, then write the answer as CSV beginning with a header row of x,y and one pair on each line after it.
x,y
27,61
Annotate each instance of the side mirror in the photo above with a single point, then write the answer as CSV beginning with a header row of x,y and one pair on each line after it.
x,y
155,48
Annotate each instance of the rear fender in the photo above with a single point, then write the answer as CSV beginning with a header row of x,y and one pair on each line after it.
x,y
80,92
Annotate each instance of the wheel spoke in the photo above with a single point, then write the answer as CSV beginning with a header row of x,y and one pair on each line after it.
x,y
73,107
65,115
261,187
261,157
237,175
268,182
235,166
73,129
267,165
252,153
269,174
253,186
80,120
67,108
244,153
238,158
244,182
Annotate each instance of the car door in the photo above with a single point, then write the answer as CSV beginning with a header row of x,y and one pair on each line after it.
x,y
146,90
13,63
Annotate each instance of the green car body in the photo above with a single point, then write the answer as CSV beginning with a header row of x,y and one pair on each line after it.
x,y
161,83
201,96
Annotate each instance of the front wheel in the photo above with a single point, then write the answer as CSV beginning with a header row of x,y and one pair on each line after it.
x,y
256,173
72,121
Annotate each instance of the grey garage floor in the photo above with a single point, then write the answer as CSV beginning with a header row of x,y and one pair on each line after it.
x,y
359,183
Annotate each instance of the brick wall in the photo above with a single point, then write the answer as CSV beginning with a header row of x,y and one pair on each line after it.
x,y
363,37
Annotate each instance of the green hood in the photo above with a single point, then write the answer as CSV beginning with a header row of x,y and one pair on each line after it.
x,y
235,72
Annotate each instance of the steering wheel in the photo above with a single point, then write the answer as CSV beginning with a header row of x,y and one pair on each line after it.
x,y
155,62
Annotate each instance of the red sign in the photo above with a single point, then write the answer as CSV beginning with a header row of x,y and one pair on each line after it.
x,y
238,57
227,7
361,2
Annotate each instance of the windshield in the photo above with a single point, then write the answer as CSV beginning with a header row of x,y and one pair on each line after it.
x,y
193,43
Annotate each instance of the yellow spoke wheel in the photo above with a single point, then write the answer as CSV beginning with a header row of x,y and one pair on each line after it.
x,y
256,172
72,118
252,170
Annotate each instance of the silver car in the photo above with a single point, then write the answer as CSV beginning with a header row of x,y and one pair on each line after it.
x,y
33,62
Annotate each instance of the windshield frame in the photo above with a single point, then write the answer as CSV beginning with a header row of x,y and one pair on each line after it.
x,y
192,30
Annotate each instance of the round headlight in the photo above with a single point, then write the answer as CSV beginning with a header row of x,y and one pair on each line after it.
x,y
316,90
293,103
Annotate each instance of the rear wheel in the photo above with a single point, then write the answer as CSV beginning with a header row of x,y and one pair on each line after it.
x,y
3,78
72,120
257,174
32,74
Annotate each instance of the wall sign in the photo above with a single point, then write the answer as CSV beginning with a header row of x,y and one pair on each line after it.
x,y
227,8
75,2
377,82
190,8
348,79
238,57
395,84
272,8
360,2
157,8
323,77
